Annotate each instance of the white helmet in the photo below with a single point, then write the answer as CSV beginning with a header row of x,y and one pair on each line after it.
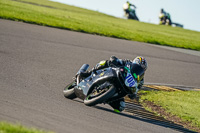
x,y
141,61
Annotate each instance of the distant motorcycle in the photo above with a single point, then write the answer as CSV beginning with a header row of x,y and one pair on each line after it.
x,y
105,85
165,19
130,13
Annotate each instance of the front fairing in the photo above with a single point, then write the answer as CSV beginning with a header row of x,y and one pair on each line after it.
x,y
97,78
130,81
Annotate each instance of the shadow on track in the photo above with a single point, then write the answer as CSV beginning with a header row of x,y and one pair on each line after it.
x,y
136,111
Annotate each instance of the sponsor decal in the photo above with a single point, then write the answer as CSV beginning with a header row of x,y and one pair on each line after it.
x,y
101,74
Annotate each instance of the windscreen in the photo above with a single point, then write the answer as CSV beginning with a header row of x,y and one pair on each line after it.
x,y
137,69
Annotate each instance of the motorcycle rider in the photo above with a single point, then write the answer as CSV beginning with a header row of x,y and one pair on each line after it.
x,y
164,17
119,105
128,4
128,10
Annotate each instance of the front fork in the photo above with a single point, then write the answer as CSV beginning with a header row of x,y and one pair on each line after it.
x,y
77,80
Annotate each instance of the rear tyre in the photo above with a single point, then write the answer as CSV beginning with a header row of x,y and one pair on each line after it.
x,y
92,100
69,90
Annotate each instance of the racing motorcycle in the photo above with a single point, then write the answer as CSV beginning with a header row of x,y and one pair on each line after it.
x,y
131,13
105,85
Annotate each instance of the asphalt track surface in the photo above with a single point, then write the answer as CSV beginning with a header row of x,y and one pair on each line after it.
x,y
37,62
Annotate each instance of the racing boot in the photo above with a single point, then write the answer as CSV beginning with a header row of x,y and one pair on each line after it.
x,y
118,105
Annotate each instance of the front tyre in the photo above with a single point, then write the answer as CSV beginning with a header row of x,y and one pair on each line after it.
x,y
69,90
105,94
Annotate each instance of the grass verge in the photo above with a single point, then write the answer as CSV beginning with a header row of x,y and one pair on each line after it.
x,y
178,106
17,128
48,13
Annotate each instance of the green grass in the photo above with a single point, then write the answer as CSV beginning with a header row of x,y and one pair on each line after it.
x,y
184,104
44,12
16,128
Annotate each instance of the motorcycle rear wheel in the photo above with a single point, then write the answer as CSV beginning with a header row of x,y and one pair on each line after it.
x,y
69,91
91,101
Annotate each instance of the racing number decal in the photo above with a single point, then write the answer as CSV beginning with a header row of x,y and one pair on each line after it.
x,y
129,80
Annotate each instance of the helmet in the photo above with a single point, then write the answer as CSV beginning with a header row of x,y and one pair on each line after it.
x,y
125,6
161,10
141,61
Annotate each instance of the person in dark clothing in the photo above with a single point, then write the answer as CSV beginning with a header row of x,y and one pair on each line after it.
x,y
119,104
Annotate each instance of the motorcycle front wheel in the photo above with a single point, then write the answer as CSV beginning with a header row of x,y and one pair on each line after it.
x,y
99,97
69,90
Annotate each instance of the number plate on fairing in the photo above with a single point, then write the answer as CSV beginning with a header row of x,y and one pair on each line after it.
x,y
130,81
